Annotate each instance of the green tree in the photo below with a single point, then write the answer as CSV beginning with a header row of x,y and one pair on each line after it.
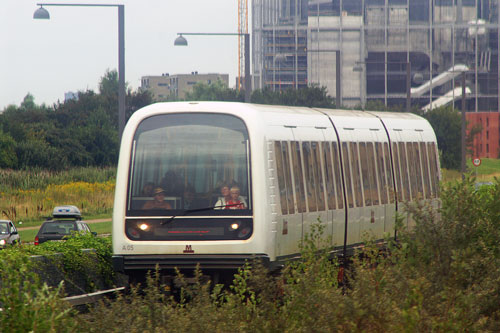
x,y
312,96
447,125
8,158
216,91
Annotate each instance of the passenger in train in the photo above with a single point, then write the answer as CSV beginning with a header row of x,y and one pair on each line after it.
x,y
147,190
226,196
172,184
190,201
158,201
234,202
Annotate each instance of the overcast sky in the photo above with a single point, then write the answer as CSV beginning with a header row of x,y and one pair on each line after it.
x,y
72,50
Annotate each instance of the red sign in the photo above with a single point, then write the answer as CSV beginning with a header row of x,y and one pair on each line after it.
x,y
476,161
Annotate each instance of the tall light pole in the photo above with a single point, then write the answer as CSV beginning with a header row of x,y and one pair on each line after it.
x,y
181,41
42,13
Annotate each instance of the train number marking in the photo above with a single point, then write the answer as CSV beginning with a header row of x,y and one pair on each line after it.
x,y
188,249
127,248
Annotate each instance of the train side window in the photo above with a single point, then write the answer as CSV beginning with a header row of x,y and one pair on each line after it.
x,y
347,172
404,171
309,173
425,171
330,184
418,164
381,173
281,177
298,176
431,147
356,174
388,172
412,168
372,173
367,189
318,176
397,169
288,177
338,178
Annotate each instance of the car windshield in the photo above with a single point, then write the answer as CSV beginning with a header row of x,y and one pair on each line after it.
x,y
4,228
59,228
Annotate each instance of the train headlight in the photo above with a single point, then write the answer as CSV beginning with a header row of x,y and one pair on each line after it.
x,y
144,227
234,226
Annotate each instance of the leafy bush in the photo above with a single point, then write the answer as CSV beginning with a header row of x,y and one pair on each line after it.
x,y
443,275
28,305
81,272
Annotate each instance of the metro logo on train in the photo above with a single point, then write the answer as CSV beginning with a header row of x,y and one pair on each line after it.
x,y
240,181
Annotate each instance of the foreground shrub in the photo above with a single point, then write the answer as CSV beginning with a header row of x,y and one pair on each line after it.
x,y
441,276
28,305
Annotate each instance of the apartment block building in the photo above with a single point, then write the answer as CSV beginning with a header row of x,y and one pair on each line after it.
x,y
164,86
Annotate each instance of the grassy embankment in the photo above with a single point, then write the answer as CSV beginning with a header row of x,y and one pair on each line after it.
x,y
486,172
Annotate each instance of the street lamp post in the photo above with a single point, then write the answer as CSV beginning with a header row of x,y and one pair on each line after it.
x,y
181,41
463,165
42,13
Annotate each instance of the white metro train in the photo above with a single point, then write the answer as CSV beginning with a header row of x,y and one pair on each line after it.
x,y
217,183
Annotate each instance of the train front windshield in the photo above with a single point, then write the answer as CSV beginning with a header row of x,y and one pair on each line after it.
x,y
192,169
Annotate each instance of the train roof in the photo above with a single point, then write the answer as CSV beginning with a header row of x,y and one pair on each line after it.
x,y
279,115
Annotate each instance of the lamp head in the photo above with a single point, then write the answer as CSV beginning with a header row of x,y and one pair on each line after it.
x,y
41,13
180,41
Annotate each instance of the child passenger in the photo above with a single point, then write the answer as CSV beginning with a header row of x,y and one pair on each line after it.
x,y
234,202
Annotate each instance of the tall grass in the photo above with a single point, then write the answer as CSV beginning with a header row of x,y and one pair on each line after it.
x,y
13,180
36,204
31,196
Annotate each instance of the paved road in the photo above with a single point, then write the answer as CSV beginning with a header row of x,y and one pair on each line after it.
x,y
87,221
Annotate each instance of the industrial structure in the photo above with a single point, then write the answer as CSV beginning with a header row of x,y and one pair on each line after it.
x,y
176,86
392,51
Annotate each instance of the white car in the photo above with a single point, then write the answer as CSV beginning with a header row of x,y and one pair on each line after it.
x,y
8,234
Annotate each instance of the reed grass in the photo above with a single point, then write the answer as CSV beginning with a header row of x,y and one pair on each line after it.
x,y
30,196
13,180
